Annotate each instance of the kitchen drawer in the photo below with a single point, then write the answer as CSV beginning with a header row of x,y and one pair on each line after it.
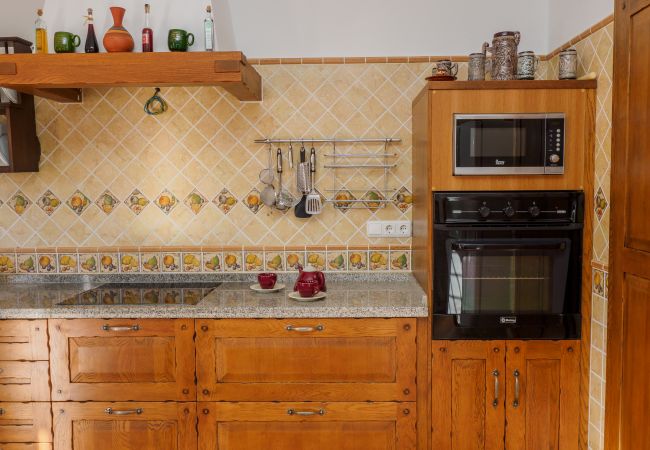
x,y
122,360
306,360
25,422
307,426
23,340
24,381
25,446
125,426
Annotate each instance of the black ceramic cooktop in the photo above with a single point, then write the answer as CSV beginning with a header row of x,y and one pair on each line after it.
x,y
142,294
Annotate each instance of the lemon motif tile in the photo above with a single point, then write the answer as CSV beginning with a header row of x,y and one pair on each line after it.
x,y
212,262
316,259
19,203
373,200
195,201
253,201
403,199
225,201
379,260
254,261
600,203
166,201
7,263
78,202
150,261
171,262
26,262
400,260
191,262
107,202
88,263
295,259
598,282
46,263
49,202
68,263
108,262
129,262
136,202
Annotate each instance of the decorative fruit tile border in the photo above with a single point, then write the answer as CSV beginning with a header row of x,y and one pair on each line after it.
x,y
145,260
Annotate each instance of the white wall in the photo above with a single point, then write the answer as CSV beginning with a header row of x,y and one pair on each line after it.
x,y
295,28
568,18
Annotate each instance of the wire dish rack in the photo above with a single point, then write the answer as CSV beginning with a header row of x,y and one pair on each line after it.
x,y
341,196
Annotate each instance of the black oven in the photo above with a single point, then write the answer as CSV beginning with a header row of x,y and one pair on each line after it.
x,y
507,265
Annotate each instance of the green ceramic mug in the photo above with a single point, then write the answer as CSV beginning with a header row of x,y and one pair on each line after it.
x,y
65,42
179,40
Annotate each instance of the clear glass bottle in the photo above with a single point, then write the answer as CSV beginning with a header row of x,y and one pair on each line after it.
x,y
147,32
41,33
208,30
91,38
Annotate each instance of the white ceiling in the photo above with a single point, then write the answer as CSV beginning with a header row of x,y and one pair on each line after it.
x,y
303,28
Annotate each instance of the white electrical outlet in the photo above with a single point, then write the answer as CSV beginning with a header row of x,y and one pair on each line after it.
x,y
388,228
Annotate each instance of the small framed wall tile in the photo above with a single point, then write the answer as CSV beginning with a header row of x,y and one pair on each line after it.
x,y
378,259
19,203
49,202
598,282
212,261
88,263
136,202
129,262
254,260
191,262
7,262
225,201
171,262
46,263
316,258
357,259
232,261
68,263
150,261
400,260
108,262
337,260
26,262
166,201
274,260
78,202
295,258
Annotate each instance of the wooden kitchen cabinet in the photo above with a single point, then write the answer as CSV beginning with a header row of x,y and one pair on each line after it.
x,y
25,422
307,426
125,426
122,360
496,395
306,360
23,340
24,381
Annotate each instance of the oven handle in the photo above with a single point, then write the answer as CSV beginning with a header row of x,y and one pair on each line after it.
x,y
481,247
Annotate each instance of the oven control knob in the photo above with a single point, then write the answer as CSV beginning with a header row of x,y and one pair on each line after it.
x,y
509,211
534,211
554,158
484,211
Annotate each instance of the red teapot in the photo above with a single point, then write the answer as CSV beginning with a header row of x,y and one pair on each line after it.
x,y
310,274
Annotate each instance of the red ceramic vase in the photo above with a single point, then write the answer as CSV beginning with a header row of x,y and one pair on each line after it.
x,y
117,39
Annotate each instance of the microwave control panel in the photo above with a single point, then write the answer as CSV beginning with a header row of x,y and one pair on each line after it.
x,y
554,154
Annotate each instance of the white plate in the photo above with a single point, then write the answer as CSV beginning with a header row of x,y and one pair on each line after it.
x,y
278,287
296,296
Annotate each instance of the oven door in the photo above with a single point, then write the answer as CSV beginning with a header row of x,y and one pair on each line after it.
x,y
501,284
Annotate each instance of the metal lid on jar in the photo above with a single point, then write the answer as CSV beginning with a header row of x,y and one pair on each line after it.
x,y
506,34
569,51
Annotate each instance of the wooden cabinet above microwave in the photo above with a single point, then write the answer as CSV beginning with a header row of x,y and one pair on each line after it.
x,y
20,150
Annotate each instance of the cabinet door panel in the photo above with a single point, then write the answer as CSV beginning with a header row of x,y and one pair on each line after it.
x,y
29,446
24,381
23,340
130,426
122,360
543,411
468,395
341,426
25,422
299,360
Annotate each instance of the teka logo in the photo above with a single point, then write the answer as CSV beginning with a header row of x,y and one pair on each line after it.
x,y
498,162
508,320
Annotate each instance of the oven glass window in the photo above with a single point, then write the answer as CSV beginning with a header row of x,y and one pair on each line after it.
x,y
507,276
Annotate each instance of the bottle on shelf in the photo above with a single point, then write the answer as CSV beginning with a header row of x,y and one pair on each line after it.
x,y
41,33
208,30
91,38
147,32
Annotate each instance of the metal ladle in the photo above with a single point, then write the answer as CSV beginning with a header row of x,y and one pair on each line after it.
x,y
284,200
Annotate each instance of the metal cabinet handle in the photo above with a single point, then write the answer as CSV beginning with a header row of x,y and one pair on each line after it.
x,y
123,412
515,403
107,327
495,374
305,329
2,411
296,412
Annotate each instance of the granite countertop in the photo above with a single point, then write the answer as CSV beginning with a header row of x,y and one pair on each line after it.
x,y
348,295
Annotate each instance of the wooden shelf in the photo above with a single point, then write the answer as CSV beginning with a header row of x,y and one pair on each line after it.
x,y
61,77
512,84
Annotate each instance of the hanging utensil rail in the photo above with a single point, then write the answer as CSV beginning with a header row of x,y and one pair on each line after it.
x,y
329,141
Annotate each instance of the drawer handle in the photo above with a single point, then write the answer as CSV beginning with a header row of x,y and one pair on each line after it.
x,y
2,411
515,403
107,327
297,412
495,374
305,329
123,412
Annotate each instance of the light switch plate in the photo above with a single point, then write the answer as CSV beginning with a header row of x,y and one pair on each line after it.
x,y
388,228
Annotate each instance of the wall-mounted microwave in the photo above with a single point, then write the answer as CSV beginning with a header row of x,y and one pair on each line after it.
x,y
509,144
